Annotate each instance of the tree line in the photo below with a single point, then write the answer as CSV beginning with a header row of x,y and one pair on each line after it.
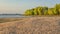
x,y
44,10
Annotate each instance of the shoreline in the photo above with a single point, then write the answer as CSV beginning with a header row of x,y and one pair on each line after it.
x,y
2,20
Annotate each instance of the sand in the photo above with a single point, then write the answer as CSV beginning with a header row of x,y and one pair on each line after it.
x,y
32,25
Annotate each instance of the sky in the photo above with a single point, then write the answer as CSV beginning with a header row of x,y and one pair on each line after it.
x,y
20,6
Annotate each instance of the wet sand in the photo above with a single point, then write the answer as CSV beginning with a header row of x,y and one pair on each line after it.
x,y
32,25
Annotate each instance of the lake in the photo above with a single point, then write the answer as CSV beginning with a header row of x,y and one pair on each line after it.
x,y
11,16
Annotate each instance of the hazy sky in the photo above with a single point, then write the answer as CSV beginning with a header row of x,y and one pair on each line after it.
x,y
19,6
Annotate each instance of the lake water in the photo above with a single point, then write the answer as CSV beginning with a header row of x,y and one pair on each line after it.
x,y
10,16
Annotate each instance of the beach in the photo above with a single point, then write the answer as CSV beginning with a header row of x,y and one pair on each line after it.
x,y
31,25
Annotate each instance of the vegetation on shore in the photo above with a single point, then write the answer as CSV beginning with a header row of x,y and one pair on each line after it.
x,y
44,11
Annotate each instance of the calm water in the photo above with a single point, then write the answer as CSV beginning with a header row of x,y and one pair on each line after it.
x,y
10,16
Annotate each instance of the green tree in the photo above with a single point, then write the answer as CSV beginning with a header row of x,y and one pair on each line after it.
x,y
35,11
28,12
50,11
57,8
45,10
39,10
32,11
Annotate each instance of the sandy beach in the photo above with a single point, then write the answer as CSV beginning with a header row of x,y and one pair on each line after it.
x,y
31,25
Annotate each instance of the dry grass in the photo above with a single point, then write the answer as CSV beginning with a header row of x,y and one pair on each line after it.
x,y
33,25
